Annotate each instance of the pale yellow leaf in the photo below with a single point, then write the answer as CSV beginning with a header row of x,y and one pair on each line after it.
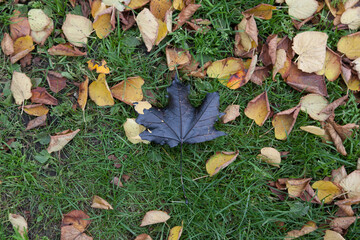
x,y
312,104
153,217
20,87
19,223
77,29
351,184
148,26
98,202
132,131
302,9
38,20
271,156
58,141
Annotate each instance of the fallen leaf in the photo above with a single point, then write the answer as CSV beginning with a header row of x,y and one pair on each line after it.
x,y
98,202
135,4
263,11
132,131
97,6
351,80
302,9
314,130
246,37
341,224
223,69
65,50
169,20
330,108
71,233
162,32
100,93
22,46
153,217
237,80
56,81
37,122
20,87
7,44
219,161
259,75
356,63
143,236
338,174
38,20
127,19
104,22
280,62
83,93
175,233
326,190
331,235
351,17
231,113
332,66
116,181
19,26
178,4
177,58
129,90
118,4
159,7
258,109
306,229
40,36
148,26
313,104
19,223
40,95
59,140
311,48
350,45
36,110
271,156
296,187
284,121
351,184
77,29
336,139
141,106
345,205
185,14
74,224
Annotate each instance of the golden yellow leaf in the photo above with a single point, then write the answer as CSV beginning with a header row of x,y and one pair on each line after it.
x,y
326,190
350,45
219,161
296,186
100,93
98,202
97,7
20,87
135,4
104,23
153,217
162,32
178,4
83,93
22,46
332,66
141,106
59,141
159,7
175,233
223,69
132,131
129,90
36,110
284,121
263,11
258,109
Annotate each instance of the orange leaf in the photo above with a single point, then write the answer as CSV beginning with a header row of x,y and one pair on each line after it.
x,y
129,90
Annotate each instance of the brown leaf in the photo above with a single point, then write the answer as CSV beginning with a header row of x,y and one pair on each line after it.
x,y
59,140
284,121
345,205
308,228
299,24
296,187
98,202
259,75
263,11
76,219
280,62
309,82
40,95
56,81
159,7
19,26
177,58
341,224
336,139
351,80
37,122
116,181
329,109
246,38
26,61
268,50
338,174
143,236
7,44
127,19
231,113
186,14
65,50
258,109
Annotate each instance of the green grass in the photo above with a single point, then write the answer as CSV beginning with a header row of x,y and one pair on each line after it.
x,y
234,204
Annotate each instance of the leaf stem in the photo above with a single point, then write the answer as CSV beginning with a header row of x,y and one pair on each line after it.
x,y
181,173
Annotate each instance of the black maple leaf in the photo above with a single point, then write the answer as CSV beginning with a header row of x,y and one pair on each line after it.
x,y
180,122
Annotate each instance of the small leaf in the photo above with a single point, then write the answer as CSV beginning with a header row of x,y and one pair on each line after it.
x,y
56,81
38,20
177,58
223,69
37,122
129,90
20,87
231,113
143,236
258,109
186,13
104,22
306,229
19,223
40,95
59,141
65,50
175,233
36,110
271,156
19,26
98,202
296,186
219,161
83,93
284,121
263,11
132,131
7,44
153,217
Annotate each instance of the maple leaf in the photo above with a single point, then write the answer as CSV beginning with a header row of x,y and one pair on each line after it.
x,y
180,122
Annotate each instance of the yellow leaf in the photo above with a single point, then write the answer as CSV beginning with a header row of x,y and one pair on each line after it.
x,y
314,130
223,69
162,32
284,121
36,110
296,186
312,104
263,11
141,106
129,90
159,7
153,217
258,109
326,190
22,46
175,233
350,45
135,4
271,156
132,131
97,7
302,9
77,29
83,93
332,66
98,202
100,93
178,4
148,26
219,161
104,22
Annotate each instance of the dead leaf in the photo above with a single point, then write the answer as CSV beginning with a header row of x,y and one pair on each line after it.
x,y
37,122
65,50
330,108
341,224
129,90
326,190
335,138
271,156
263,11
127,20
331,235
178,4
19,26
83,93
338,174
98,202
237,80
135,4
141,106
118,4
332,66
38,20
175,233
306,229
116,181
100,93
280,62
302,9
185,14
59,140
284,121
104,22
313,104
351,184
314,130
148,26
162,32
246,38
309,82
268,50
7,44
40,36
36,110
159,7
223,69
40,95
351,17
351,80
296,187
311,48
219,161
18,222
231,113
143,236
77,29
22,46
350,45
97,6
345,205
132,131
20,87
74,224
56,81
153,217
258,109
177,58
71,233
259,75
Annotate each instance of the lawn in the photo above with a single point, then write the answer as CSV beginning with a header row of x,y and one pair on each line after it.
x,y
236,203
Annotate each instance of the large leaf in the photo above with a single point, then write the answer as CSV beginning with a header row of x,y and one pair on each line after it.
x,y
180,122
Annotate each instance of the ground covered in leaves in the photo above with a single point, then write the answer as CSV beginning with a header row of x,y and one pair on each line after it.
x,y
75,164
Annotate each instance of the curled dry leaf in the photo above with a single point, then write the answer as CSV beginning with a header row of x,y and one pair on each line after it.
x,y
246,37
56,81
311,48
231,113
350,45
97,6
129,90
162,32
326,190
83,93
223,69
37,122
332,235
237,80
143,236
313,104
100,93
148,26
263,11
104,22
132,131
100,67
59,140
268,50
40,95
280,62
258,109
351,80
141,106
153,217
65,50
302,9
186,14
77,29
330,108
314,130
309,227
98,202
159,8
338,142
332,66
260,74
19,223
271,156
19,26
351,184
284,121
175,233
296,187
177,58
38,20
36,110
7,44
338,174
351,17
219,161
74,224
20,87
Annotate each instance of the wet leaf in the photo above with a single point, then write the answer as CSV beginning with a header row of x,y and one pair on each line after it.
x,y
271,156
59,140
65,50
132,131
77,29
40,95
284,121
100,93
153,217
98,202
219,161
263,11
129,90
258,109
20,87
231,113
